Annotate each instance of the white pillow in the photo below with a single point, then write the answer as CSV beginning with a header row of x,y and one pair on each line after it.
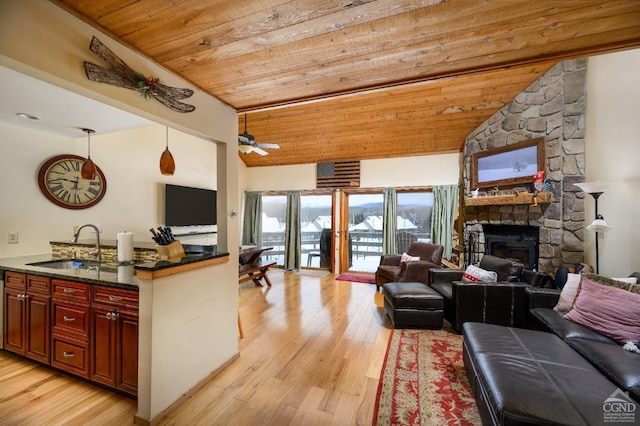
x,y
406,258
475,274
570,291
568,294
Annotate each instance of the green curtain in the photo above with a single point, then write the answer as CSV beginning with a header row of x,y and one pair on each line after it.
x,y
389,221
445,205
292,234
252,222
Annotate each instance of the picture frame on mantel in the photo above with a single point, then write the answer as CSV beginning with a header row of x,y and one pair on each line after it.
x,y
509,165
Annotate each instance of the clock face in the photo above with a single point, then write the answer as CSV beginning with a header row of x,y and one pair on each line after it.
x,y
60,181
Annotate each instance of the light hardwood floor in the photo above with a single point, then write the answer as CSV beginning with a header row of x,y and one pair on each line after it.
x,y
312,355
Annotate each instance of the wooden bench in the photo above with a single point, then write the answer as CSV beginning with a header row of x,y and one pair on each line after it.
x,y
255,271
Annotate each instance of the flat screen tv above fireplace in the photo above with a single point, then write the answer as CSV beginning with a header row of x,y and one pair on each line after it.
x,y
187,206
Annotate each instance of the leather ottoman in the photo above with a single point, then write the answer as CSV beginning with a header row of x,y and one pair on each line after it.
x,y
529,377
413,305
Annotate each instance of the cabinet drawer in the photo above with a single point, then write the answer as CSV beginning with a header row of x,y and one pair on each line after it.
x,y
117,298
38,284
71,319
70,290
15,280
70,355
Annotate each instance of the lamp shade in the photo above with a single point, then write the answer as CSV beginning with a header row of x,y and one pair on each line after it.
x,y
167,164
592,187
599,225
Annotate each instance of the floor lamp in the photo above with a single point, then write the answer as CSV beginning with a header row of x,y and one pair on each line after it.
x,y
595,189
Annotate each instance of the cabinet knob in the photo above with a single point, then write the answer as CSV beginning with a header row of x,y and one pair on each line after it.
x,y
113,315
68,319
68,354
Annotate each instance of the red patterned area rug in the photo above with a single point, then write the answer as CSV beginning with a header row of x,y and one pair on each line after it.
x,y
423,381
357,278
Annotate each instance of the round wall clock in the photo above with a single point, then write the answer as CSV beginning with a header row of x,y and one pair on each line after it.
x,y
60,181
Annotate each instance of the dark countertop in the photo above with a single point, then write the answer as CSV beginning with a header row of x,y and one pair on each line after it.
x,y
122,276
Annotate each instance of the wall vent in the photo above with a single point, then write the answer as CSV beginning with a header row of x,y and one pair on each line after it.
x,y
341,174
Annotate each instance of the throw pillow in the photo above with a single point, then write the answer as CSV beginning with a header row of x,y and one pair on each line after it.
x,y
475,274
628,283
608,310
568,294
406,258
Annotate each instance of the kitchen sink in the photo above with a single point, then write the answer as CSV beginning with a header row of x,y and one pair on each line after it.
x,y
66,264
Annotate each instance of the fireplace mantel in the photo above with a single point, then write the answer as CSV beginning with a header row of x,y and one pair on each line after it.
x,y
499,200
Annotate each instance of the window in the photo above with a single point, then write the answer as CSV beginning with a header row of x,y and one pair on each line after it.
x,y
414,218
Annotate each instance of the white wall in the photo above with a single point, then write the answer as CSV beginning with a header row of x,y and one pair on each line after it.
x,y
612,153
134,200
388,172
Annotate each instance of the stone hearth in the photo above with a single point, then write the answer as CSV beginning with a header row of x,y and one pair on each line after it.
x,y
554,106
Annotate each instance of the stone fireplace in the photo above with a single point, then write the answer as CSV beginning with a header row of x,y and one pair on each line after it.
x,y
553,107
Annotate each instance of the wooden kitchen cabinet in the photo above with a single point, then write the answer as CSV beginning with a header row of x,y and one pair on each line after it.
x,y
87,330
27,321
70,338
114,326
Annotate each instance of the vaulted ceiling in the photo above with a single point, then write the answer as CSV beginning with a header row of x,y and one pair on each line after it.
x,y
333,80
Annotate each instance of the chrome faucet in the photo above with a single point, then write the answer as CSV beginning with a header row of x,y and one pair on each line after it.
x,y
97,252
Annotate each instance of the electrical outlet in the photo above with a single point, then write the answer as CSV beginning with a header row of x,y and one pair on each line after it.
x,y
13,238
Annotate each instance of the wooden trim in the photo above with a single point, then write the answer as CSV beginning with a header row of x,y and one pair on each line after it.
x,y
541,158
178,269
186,396
501,200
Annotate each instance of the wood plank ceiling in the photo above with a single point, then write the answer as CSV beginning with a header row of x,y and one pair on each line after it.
x,y
333,80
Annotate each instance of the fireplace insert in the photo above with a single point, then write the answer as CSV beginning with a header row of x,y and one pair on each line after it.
x,y
513,242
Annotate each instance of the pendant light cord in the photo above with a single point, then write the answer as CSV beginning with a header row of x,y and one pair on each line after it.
x,y
167,138
88,144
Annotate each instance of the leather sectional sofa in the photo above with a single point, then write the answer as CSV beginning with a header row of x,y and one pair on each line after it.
x,y
558,373
503,302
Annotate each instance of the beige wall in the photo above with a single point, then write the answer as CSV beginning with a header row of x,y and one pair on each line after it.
x,y
405,171
613,150
134,200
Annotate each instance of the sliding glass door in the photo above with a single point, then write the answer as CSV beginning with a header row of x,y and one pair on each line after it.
x,y
316,224
361,231
316,216
274,214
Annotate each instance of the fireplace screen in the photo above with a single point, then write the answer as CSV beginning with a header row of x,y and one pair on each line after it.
x,y
513,242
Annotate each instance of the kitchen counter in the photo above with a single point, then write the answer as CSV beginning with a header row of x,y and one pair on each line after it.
x,y
122,276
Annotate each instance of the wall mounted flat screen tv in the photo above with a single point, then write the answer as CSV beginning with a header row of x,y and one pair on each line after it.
x,y
187,206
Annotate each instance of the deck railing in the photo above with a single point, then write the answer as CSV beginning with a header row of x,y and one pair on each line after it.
x,y
363,244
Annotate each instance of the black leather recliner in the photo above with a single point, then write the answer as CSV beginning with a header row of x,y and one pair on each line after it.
x,y
503,303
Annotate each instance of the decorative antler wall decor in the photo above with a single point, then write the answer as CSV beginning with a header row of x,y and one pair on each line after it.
x,y
121,75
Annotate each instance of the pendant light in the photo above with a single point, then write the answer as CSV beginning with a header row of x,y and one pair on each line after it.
x,y
88,170
167,165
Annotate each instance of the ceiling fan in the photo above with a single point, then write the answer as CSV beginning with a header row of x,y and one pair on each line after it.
x,y
247,143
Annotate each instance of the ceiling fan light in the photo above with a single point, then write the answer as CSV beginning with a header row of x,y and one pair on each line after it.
x,y
245,149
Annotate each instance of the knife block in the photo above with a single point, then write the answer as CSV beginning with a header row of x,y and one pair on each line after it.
x,y
170,251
